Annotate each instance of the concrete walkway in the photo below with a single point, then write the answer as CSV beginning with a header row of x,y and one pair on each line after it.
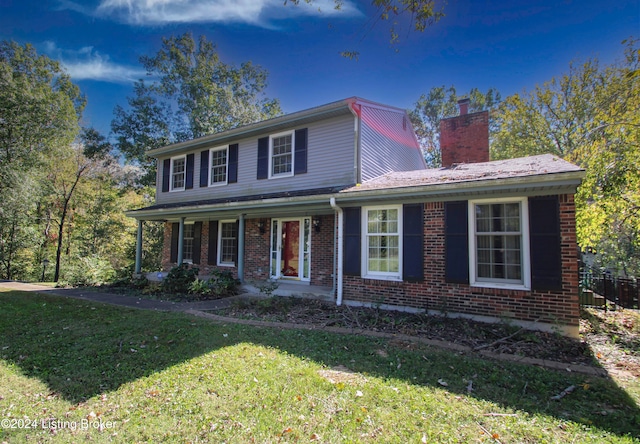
x,y
122,300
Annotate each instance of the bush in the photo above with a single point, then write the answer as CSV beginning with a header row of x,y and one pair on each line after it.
x,y
222,283
87,271
179,279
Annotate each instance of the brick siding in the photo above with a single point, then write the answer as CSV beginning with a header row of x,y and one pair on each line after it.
x,y
465,139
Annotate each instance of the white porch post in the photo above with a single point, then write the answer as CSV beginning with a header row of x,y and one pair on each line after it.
x,y
138,268
181,240
241,248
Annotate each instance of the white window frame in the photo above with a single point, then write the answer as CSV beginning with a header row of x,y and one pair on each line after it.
x,y
184,173
184,242
293,151
525,258
226,166
219,261
381,275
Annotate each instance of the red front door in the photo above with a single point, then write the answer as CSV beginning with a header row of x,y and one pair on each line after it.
x,y
290,254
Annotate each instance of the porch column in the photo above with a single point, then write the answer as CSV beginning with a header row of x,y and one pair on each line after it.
x,y
139,248
241,248
180,240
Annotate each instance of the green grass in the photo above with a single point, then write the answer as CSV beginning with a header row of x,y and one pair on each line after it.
x,y
170,377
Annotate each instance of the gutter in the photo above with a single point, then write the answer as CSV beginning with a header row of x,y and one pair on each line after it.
x,y
339,259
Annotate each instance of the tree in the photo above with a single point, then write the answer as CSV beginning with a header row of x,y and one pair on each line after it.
x,y
439,103
195,94
589,116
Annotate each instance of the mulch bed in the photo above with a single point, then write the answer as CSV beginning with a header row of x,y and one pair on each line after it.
x,y
496,338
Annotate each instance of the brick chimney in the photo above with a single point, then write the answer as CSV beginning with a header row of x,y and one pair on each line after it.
x,y
465,138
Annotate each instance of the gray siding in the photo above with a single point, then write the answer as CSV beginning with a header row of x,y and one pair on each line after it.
x,y
330,162
387,143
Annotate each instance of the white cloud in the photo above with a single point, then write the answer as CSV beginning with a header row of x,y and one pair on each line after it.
x,y
254,12
88,64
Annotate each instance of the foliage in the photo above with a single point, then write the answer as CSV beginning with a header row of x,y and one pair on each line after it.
x,y
221,283
87,271
161,377
440,103
195,94
588,116
179,279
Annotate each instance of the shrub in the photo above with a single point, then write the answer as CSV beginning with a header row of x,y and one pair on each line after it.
x,y
179,279
87,271
221,283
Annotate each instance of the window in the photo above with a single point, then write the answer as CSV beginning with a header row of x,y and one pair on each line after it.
x,y
382,246
227,243
281,156
219,162
178,173
499,247
187,242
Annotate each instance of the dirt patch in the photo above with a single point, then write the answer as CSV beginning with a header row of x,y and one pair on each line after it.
x,y
496,338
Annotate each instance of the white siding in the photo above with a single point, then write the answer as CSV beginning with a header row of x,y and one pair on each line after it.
x,y
387,143
330,163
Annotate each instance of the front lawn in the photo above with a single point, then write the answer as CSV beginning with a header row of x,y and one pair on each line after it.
x,y
74,370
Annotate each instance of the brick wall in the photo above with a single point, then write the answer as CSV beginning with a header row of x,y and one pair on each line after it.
x,y
435,294
465,139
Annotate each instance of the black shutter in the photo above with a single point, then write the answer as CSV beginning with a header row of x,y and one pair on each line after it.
x,y
166,174
189,177
213,242
456,242
233,163
204,168
263,158
545,239
352,252
300,157
197,242
413,241
175,232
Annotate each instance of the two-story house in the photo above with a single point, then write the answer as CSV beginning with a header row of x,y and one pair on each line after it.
x,y
339,196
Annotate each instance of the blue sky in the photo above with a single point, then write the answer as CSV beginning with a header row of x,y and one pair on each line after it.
x,y
508,45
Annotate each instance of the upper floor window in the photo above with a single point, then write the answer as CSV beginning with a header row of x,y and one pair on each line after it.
x,y
382,242
178,173
500,249
281,155
219,164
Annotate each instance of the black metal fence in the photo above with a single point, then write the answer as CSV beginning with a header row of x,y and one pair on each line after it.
x,y
624,292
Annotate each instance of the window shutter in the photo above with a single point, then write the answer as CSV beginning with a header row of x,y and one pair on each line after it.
x,y
300,157
232,176
412,247
189,175
352,252
213,242
197,242
175,232
204,168
545,239
166,174
456,242
263,158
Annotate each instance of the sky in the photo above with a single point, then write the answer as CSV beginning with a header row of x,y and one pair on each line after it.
x,y
511,45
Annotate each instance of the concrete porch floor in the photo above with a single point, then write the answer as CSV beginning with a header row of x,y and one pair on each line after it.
x,y
294,289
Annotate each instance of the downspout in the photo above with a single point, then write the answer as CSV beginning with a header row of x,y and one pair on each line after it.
x,y
339,258
241,248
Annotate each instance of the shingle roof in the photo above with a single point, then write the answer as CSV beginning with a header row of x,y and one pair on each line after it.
x,y
498,169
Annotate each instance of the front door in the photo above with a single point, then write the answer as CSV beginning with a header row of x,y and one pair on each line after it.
x,y
290,248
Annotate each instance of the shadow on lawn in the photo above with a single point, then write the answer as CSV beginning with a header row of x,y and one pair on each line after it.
x,y
81,349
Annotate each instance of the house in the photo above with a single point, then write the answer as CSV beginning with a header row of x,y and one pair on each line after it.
x,y
339,196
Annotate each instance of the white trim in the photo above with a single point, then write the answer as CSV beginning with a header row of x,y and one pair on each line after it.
x,y
219,243
193,224
293,152
278,248
173,159
226,175
525,258
380,275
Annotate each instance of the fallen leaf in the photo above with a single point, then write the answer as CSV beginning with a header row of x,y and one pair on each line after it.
x,y
314,437
443,383
359,394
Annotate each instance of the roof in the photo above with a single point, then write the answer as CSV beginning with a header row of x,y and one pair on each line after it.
x,y
544,164
276,124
